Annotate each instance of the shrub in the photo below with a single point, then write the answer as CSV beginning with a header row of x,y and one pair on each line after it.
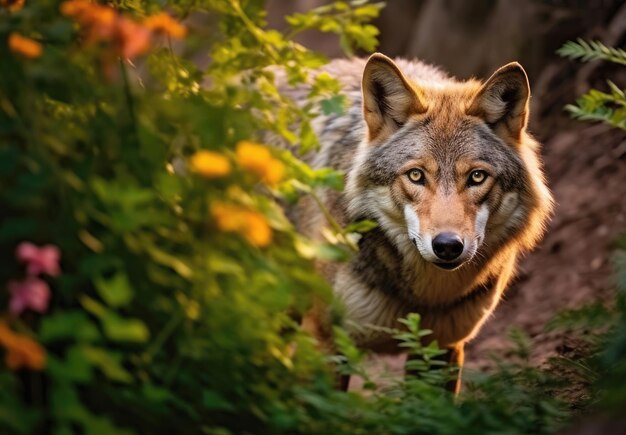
x,y
180,277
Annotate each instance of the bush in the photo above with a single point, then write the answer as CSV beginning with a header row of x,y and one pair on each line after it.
x,y
180,277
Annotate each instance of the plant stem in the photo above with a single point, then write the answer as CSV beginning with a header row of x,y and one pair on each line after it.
x,y
162,337
130,103
333,223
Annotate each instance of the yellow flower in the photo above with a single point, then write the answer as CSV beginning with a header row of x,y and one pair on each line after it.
x,y
21,351
274,172
12,5
228,217
249,223
210,164
25,46
257,230
252,156
163,23
257,159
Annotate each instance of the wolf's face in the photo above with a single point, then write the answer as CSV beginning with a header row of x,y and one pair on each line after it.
x,y
441,169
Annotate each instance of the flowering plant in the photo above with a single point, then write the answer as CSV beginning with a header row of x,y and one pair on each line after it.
x,y
152,281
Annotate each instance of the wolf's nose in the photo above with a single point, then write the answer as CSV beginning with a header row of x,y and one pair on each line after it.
x,y
447,246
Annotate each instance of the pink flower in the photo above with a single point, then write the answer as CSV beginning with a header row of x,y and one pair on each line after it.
x,y
39,260
32,293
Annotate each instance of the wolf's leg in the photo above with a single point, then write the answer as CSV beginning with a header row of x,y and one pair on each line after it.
x,y
343,382
455,358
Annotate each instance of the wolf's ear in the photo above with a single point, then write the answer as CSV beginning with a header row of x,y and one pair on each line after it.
x,y
503,101
388,97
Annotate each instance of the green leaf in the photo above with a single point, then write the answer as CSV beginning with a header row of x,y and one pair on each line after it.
x,y
333,105
328,177
169,185
166,259
115,291
223,264
108,363
322,251
65,403
69,325
361,226
119,329
214,401
75,368
308,138
592,50
97,264
116,328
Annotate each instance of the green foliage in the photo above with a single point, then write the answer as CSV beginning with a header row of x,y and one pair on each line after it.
x,y
347,19
598,366
596,105
160,320
592,50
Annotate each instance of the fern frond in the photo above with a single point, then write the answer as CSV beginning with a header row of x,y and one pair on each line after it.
x,y
592,50
596,105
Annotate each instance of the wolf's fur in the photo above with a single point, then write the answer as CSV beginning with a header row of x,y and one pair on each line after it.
x,y
406,114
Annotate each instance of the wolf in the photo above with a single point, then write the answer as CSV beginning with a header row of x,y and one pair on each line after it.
x,y
453,179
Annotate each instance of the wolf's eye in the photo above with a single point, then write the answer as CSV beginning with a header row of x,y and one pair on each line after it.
x,y
476,178
416,176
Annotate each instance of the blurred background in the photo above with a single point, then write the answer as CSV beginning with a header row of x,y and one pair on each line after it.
x,y
584,162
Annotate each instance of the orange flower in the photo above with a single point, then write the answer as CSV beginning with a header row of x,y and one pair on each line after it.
x,y
131,39
228,217
163,23
249,223
21,351
104,24
12,5
72,8
257,231
274,172
257,159
98,22
210,164
252,156
25,46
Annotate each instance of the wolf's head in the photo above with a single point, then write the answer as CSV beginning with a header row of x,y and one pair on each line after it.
x,y
446,167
